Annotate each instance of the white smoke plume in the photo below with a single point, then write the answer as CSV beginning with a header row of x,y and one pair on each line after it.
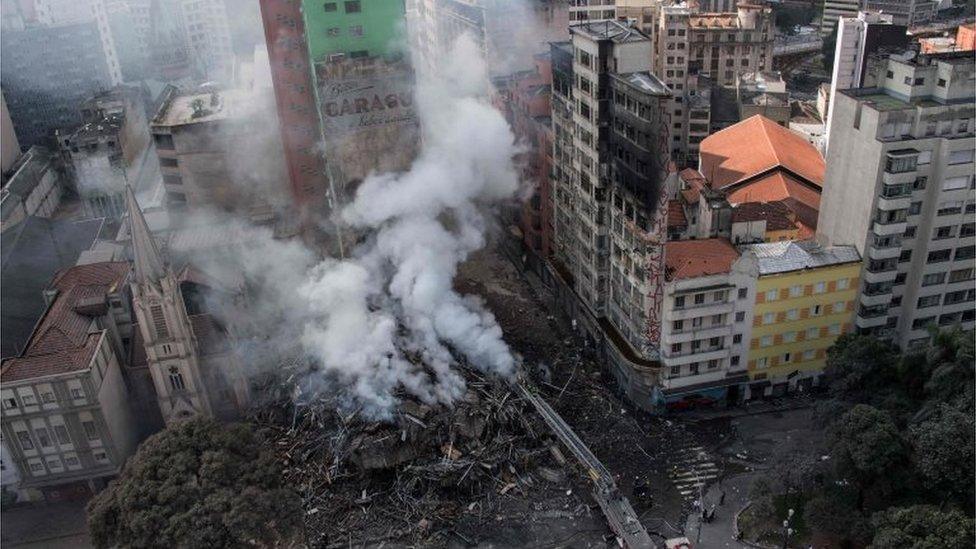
x,y
388,317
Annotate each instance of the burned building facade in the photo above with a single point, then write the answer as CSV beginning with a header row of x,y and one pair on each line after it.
x,y
109,150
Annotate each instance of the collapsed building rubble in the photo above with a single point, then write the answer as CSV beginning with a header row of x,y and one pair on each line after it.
x,y
426,474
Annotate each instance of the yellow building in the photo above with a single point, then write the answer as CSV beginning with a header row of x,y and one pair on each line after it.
x,y
805,297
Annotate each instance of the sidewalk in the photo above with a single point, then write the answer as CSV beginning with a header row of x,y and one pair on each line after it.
x,y
45,525
751,409
717,534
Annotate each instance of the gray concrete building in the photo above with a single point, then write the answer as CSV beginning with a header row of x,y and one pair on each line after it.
x,y
899,186
904,12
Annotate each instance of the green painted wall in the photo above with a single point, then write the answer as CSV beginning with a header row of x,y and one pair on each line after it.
x,y
331,31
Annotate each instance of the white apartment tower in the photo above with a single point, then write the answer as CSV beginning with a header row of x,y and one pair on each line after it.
x,y
900,187
857,39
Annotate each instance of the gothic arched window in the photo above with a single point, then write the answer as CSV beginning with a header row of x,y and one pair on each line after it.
x,y
176,379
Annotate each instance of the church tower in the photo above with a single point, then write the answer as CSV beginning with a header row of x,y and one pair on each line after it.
x,y
171,346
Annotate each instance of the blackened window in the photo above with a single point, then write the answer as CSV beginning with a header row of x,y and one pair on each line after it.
x,y
353,7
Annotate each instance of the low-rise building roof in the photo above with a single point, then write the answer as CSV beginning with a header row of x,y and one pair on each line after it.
x,y
614,31
695,258
777,215
787,256
63,341
757,145
676,214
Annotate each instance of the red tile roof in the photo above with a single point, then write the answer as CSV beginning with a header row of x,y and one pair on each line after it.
x,y
755,145
695,182
774,187
778,216
676,214
694,258
61,342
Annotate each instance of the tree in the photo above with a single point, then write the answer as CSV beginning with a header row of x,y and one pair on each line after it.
x,y
833,512
951,361
861,365
197,484
921,527
867,449
943,452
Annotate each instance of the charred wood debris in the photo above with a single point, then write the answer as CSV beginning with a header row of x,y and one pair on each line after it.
x,y
427,475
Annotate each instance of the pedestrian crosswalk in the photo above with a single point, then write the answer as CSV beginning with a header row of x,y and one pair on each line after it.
x,y
691,468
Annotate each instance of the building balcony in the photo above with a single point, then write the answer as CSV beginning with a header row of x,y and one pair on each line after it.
x,y
874,277
890,252
690,334
894,202
890,178
874,300
705,309
702,355
888,229
870,322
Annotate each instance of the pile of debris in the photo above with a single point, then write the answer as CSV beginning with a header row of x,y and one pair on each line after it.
x,y
426,473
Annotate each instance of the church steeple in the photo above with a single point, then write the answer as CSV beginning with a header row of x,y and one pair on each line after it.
x,y
148,263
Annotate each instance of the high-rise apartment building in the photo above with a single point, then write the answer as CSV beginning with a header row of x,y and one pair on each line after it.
x,y
581,192
693,51
899,186
581,11
341,77
858,39
833,10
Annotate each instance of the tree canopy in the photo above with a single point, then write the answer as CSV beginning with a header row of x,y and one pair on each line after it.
x,y
197,484
922,527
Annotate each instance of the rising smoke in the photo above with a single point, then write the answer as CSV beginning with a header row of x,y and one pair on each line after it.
x,y
386,318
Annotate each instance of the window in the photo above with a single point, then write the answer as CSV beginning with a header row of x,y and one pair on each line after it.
x,y
54,464
961,275
10,403
330,7
961,157
675,347
843,283
712,364
933,279
834,329
693,368
792,314
36,466
967,229
100,456
766,341
910,231
772,295
743,293
813,333
955,183
929,301
905,256
809,354
90,431
736,339
941,83
715,342
675,370
938,256
176,379
914,208
42,437
789,337
696,322
23,437
815,310
734,361
949,208
352,6
699,299
965,252
740,316
678,325
77,393
62,434
71,460
820,287
159,321
47,396
919,323
679,302
944,232
333,32
839,307
717,319
769,318
29,400
900,164
762,362
796,290
787,358
356,30
695,345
